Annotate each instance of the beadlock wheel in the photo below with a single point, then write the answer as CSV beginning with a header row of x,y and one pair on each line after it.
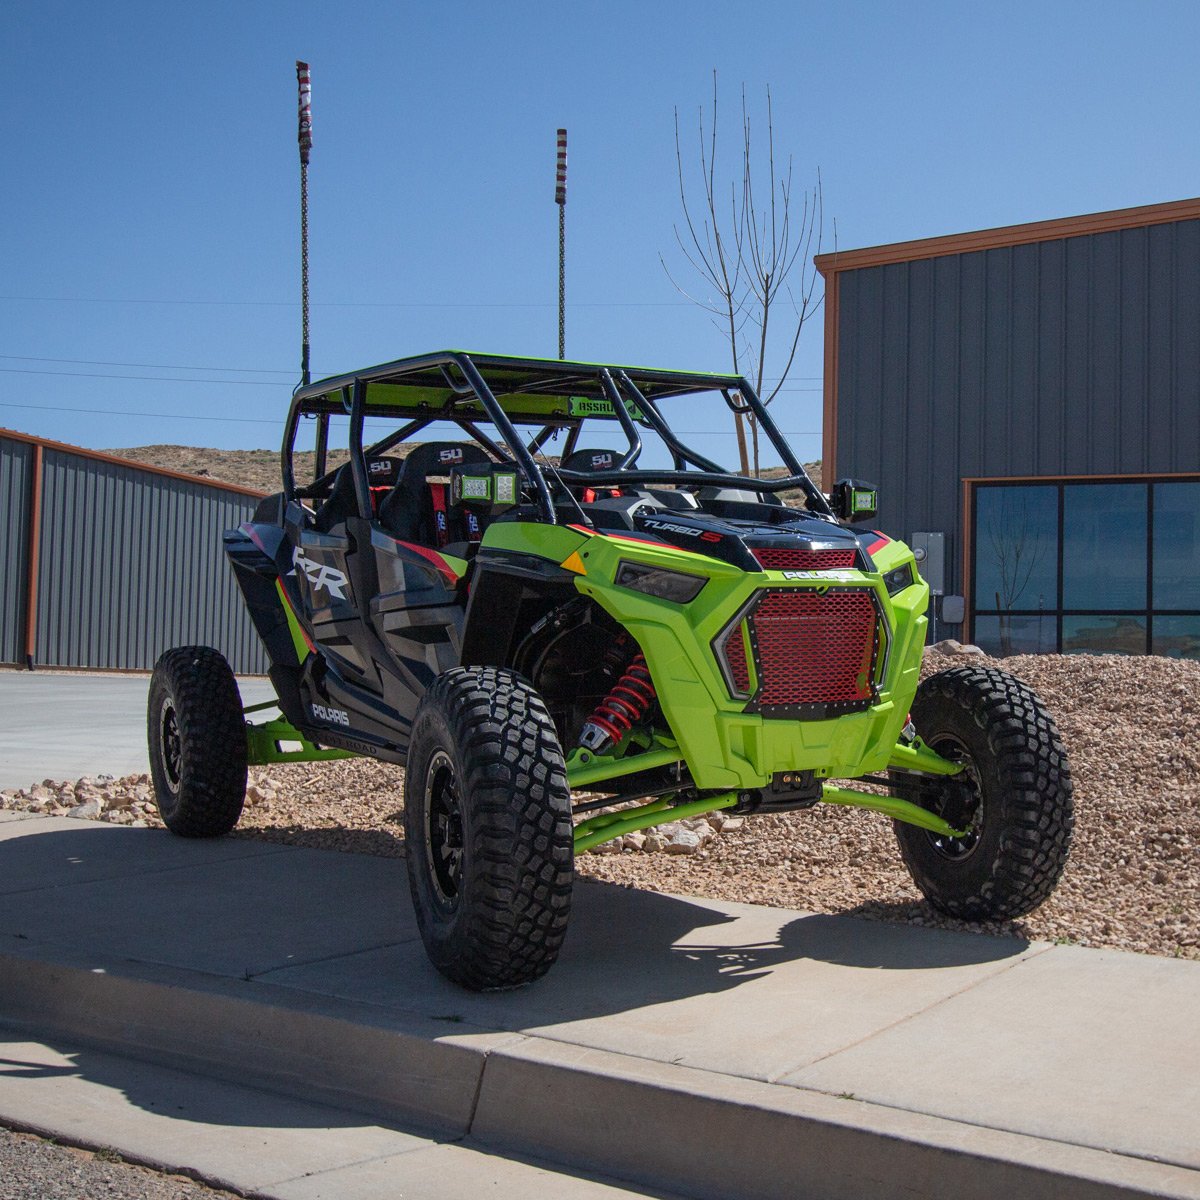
x,y
488,831
1019,829
196,731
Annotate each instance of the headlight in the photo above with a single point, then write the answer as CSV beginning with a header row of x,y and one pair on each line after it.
x,y
897,580
676,586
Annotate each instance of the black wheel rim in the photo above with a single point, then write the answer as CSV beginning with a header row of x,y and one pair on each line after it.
x,y
443,829
956,849
172,745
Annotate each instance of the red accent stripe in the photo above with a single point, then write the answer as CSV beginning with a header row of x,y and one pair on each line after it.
x,y
637,541
883,540
433,556
300,624
248,530
441,528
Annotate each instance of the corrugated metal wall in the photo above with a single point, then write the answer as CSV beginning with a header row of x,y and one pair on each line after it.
x,y
1079,356
130,563
16,460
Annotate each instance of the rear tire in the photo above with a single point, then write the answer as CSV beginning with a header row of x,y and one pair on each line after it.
x,y
1019,806
488,831
196,732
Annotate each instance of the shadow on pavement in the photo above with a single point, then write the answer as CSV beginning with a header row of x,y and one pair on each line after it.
x,y
340,926
172,1094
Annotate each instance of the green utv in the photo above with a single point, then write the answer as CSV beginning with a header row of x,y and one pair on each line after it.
x,y
563,650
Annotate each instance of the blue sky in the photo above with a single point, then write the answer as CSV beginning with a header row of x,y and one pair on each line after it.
x,y
149,218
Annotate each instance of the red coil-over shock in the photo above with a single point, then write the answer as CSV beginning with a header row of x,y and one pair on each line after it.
x,y
627,703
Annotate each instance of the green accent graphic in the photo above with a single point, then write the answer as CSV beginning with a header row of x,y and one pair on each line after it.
x,y
264,743
725,747
292,623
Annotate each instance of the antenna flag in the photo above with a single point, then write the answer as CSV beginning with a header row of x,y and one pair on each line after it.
x,y
560,183
305,131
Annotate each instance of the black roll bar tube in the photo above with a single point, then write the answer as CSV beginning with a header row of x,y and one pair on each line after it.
x,y
813,494
686,478
482,438
542,436
663,430
285,451
622,414
400,435
508,432
358,465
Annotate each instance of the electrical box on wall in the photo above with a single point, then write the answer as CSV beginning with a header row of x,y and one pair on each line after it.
x,y
930,551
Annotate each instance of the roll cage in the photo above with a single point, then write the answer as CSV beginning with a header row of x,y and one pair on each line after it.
x,y
467,389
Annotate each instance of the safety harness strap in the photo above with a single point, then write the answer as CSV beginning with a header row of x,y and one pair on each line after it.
x,y
437,493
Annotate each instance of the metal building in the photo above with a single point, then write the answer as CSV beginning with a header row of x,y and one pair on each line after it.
x,y
1032,395
105,563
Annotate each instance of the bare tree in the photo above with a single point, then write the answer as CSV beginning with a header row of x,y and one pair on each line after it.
x,y
1017,552
747,249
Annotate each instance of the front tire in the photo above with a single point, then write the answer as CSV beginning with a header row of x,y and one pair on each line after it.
x,y
1017,802
487,828
196,734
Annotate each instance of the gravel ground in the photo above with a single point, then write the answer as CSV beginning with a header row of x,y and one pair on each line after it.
x,y
32,1168
1131,727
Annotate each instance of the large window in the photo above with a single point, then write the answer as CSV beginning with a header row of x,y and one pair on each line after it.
x,y
1095,567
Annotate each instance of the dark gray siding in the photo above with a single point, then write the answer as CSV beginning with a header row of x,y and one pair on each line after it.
x,y
131,563
16,459
1079,356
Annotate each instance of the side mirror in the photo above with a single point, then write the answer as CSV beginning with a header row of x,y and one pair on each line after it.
x,y
854,500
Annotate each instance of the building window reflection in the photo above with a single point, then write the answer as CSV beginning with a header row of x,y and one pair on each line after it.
x,y
1104,566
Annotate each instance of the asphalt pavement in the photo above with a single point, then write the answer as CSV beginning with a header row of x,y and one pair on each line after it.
x,y
60,725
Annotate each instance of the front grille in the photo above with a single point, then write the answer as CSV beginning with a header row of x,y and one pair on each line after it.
x,y
735,656
798,558
814,651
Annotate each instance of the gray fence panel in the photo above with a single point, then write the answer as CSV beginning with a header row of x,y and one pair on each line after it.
x,y
131,563
16,466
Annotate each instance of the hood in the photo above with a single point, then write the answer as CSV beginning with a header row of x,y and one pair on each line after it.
x,y
797,541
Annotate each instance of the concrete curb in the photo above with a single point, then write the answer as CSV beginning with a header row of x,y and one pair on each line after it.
x,y
401,1068
661,1125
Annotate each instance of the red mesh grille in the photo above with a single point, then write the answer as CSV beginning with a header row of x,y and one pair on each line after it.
x,y
815,649
735,656
792,558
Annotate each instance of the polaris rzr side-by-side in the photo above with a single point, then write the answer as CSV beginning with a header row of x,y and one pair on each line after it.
x,y
561,650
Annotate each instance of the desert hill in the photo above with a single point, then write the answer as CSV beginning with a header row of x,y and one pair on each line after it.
x,y
260,468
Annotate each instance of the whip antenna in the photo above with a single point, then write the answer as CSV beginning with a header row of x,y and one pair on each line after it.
x,y
305,139
560,198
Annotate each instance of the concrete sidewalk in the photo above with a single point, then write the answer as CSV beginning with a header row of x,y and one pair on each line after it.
x,y
708,1049
68,725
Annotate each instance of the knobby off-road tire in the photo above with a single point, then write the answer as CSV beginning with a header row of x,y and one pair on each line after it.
x,y
197,741
1020,793
487,828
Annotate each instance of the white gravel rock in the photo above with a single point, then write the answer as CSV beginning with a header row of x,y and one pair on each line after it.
x,y
684,841
89,810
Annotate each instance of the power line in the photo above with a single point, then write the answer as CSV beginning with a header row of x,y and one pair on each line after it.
x,y
352,303
100,362
245,383
114,412
150,378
